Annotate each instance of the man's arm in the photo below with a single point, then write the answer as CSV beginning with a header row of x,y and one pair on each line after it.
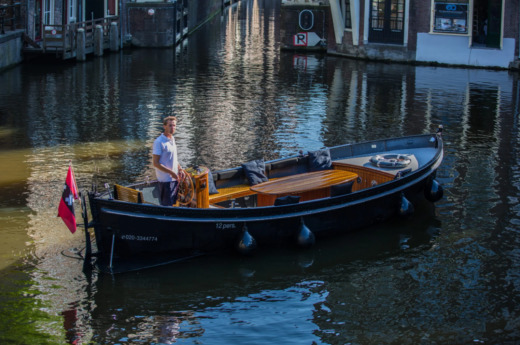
x,y
156,164
181,172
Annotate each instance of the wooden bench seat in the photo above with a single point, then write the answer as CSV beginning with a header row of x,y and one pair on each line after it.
x,y
229,193
128,194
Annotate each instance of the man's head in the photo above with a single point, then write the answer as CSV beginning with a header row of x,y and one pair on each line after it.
x,y
169,118
169,124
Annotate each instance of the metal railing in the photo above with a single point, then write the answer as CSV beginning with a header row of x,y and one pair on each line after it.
x,y
11,16
62,38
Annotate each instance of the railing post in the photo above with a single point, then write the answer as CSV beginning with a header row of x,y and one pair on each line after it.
x,y
80,43
63,41
98,41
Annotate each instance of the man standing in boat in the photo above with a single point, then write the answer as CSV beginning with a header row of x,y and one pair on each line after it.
x,y
165,161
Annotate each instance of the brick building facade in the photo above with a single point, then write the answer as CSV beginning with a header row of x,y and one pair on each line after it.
x,y
480,33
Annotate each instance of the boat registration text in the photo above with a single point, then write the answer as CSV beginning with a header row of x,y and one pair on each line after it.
x,y
130,237
224,226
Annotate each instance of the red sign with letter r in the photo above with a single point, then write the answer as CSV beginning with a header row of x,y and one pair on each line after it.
x,y
300,39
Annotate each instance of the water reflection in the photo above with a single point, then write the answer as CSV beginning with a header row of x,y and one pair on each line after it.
x,y
449,274
280,296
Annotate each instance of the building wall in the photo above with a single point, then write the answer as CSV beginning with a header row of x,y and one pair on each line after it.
x,y
199,11
456,50
160,29
10,49
374,51
59,18
512,22
310,35
419,21
30,25
460,50
151,24
202,10
421,44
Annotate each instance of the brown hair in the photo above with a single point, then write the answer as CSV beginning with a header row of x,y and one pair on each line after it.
x,y
169,118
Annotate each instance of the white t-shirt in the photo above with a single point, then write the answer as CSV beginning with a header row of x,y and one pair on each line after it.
x,y
167,150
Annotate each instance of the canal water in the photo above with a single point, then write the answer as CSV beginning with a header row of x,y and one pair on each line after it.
x,y
449,274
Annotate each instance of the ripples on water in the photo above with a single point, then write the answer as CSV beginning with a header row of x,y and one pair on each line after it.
x,y
449,274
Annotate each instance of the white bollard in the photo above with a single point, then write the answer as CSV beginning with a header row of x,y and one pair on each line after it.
x,y
80,46
98,41
114,37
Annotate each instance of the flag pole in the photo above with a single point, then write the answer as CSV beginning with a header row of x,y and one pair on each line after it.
x,y
88,244
84,214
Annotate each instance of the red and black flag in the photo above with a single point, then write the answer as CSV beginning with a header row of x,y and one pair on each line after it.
x,y
66,207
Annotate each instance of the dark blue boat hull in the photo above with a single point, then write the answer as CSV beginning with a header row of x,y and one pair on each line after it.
x,y
129,231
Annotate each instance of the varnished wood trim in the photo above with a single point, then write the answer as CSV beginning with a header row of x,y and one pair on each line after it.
x,y
367,175
229,193
128,194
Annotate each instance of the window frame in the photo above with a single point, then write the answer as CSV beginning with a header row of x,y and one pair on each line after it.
x,y
451,20
72,15
347,15
48,12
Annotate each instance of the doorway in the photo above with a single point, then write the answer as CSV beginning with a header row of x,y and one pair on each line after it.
x,y
386,21
94,9
487,23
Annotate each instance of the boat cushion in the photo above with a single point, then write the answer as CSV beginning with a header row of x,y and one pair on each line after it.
x,y
319,160
287,200
341,189
211,184
229,177
287,166
255,171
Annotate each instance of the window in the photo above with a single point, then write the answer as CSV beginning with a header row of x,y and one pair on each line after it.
x,y
47,11
112,8
346,13
72,11
378,14
397,15
451,17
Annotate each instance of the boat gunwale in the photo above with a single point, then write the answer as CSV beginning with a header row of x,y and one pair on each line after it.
x,y
286,211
